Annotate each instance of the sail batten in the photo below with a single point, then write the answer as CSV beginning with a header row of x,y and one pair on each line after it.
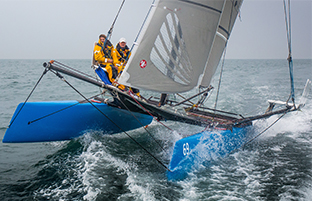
x,y
174,46
226,31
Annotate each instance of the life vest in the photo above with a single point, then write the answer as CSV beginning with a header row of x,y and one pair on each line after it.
x,y
108,50
122,53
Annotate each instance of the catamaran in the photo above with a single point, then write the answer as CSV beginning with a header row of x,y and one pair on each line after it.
x,y
178,49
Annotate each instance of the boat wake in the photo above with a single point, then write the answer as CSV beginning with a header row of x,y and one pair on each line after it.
x,y
275,166
105,167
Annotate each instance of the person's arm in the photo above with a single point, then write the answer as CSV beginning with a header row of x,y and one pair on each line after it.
x,y
98,54
115,61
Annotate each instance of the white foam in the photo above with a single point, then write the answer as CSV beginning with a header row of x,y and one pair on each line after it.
x,y
217,179
138,183
296,123
140,187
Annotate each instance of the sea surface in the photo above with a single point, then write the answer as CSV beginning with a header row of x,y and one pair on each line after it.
x,y
275,166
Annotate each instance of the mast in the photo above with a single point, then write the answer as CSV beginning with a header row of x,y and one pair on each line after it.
x,y
290,62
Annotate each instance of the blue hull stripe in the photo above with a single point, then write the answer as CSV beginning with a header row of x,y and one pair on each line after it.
x,y
69,123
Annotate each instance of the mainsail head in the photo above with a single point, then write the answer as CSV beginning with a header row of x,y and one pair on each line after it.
x,y
172,50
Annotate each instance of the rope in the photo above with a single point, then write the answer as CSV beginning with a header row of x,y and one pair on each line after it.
x,y
113,24
59,110
265,129
44,72
152,114
185,99
111,29
63,79
219,84
142,125
290,63
223,60
288,32
135,41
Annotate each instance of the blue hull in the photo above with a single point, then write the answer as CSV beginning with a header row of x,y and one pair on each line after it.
x,y
191,152
68,123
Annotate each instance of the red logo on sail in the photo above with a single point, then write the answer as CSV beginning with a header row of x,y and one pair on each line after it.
x,y
143,63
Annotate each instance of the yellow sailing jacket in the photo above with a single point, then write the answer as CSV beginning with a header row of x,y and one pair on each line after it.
x,y
101,54
122,56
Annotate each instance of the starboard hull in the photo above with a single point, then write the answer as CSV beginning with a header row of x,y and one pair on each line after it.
x,y
202,148
65,120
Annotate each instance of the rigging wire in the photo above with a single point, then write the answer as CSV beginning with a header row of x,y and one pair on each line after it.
x,y
44,72
149,11
292,95
45,116
223,61
135,40
141,123
224,54
153,115
290,62
111,29
108,36
113,24
265,129
185,98
63,79
219,84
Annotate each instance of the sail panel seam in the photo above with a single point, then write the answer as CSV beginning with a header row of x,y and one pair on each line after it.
x,y
202,5
182,71
223,29
183,80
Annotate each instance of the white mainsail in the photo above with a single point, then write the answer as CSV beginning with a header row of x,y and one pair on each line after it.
x,y
228,17
172,50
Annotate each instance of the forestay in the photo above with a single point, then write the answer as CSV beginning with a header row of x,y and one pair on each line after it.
x,y
173,47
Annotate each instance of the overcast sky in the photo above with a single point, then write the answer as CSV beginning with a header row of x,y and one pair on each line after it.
x,y
67,29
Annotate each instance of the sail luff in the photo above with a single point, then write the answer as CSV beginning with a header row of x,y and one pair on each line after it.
x,y
174,47
139,37
228,17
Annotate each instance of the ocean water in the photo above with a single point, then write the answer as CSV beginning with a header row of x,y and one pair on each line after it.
x,y
275,166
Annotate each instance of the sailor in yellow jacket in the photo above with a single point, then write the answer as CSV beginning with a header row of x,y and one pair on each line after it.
x,y
123,54
106,57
